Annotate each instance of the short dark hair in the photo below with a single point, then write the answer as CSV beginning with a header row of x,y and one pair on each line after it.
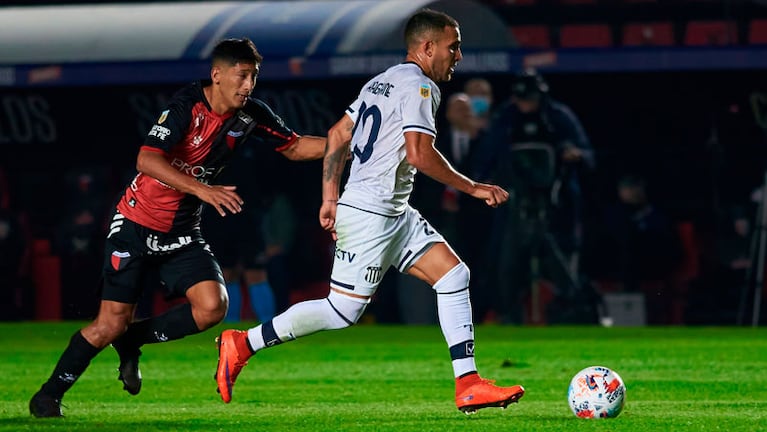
x,y
233,51
424,21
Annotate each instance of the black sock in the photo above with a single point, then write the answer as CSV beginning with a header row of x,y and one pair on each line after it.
x,y
72,363
173,324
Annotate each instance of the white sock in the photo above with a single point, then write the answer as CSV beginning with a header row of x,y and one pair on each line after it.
x,y
455,318
334,312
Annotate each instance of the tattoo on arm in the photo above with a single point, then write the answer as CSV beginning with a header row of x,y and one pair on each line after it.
x,y
334,163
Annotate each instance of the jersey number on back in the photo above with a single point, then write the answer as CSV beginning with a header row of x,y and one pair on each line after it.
x,y
365,112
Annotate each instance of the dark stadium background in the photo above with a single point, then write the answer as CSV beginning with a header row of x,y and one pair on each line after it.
x,y
691,131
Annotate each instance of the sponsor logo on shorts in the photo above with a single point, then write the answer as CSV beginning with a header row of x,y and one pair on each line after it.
x,y
345,255
153,243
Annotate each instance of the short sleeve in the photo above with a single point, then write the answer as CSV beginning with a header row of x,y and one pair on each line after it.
x,y
353,110
169,128
419,106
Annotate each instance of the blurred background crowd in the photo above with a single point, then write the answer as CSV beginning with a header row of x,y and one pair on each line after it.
x,y
636,172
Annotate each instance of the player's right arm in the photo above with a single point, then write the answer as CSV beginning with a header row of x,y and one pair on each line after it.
x,y
333,163
152,162
422,154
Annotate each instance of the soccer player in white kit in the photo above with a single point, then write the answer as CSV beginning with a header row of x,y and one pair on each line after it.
x,y
389,130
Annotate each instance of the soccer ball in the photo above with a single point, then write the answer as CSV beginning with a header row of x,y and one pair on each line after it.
x,y
596,392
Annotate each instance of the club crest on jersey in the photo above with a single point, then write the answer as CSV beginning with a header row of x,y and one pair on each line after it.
x,y
119,260
425,91
163,116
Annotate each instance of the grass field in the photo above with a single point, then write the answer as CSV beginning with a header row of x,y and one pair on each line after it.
x,y
398,378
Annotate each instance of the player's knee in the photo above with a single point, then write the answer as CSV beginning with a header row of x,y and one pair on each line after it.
x,y
215,317
346,310
209,313
106,328
454,280
209,304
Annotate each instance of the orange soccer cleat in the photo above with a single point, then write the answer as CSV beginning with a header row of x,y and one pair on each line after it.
x,y
473,392
233,355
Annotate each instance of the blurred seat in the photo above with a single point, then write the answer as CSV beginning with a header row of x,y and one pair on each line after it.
x,y
585,36
648,33
531,36
757,31
47,279
716,32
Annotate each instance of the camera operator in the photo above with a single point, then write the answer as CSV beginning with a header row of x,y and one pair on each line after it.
x,y
536,147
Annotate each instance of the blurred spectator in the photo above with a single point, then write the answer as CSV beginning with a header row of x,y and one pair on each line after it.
x,y
537,148
458,142
724,291
641,248
280,231
735,243
240,241
79,243
642,237
480,92
15,257
464,221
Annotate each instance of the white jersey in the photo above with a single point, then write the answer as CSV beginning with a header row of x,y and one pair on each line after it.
x,y
398,100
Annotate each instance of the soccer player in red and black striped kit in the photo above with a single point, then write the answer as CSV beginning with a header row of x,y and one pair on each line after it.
x,y
155,226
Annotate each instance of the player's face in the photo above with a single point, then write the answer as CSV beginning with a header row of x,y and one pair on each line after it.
x,y
447,54
237,82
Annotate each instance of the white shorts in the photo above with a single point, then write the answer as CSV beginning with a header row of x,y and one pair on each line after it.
x,y
369,243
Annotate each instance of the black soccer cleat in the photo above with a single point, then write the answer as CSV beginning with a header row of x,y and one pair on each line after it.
x,y
42,405
130,374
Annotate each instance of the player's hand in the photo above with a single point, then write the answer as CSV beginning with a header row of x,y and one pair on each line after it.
x,y
328,217
222,198
492,195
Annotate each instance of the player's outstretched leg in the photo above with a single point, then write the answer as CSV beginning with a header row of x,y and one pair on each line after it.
x,y
473,392
233,355
129,371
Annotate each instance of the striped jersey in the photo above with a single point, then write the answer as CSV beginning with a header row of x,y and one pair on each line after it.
x,y
398,100
199,143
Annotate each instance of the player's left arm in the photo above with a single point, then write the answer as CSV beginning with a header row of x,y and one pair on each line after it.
x,y
306,147
333,164
273,130
422,154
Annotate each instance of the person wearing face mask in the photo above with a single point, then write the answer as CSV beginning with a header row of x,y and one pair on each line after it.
x,y
480,93
536,147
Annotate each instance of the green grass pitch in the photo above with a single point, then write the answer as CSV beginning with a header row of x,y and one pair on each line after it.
x,y
398,378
